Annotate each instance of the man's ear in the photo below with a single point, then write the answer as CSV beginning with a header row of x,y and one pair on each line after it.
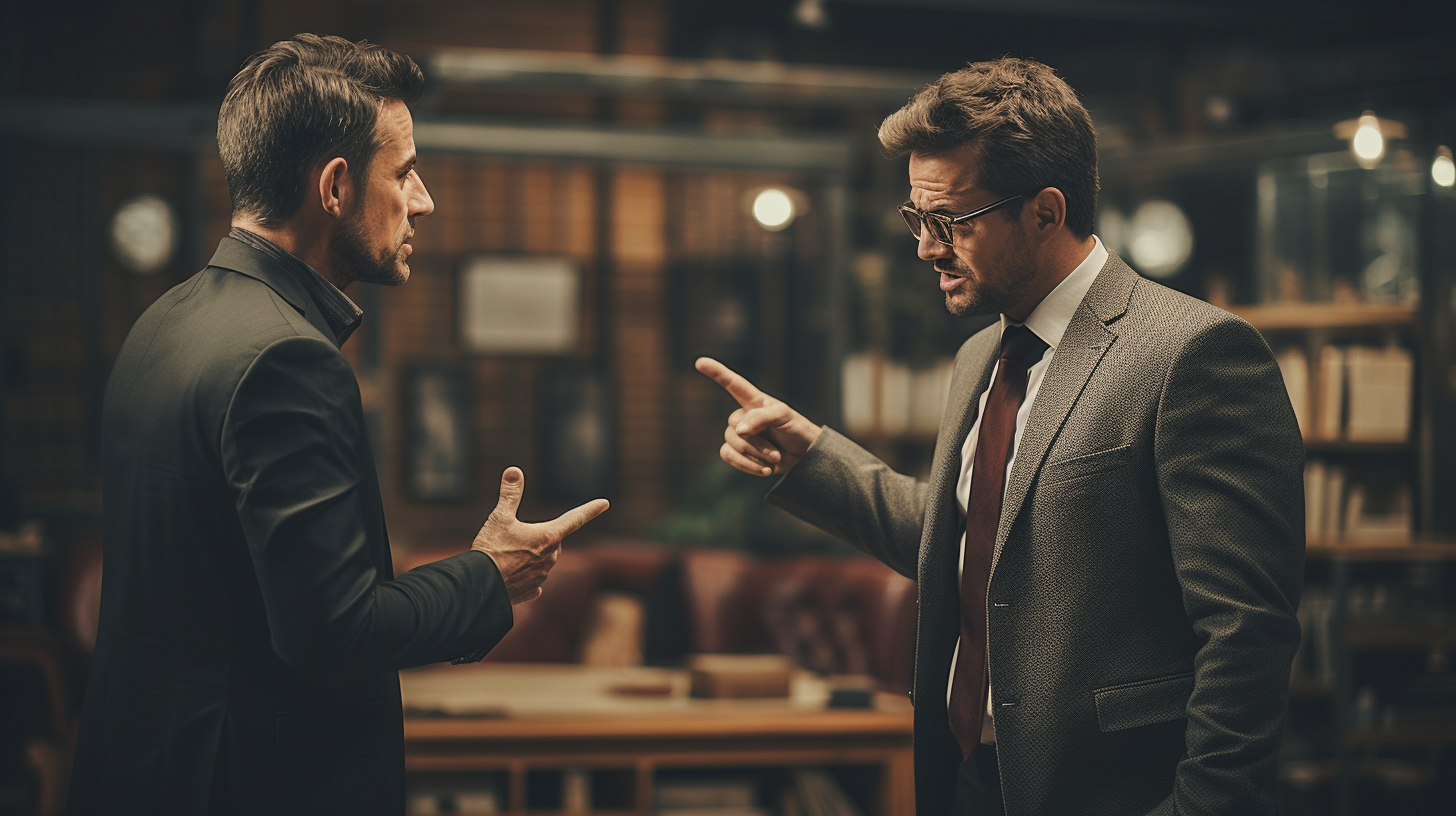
x,y
1048,212
335,186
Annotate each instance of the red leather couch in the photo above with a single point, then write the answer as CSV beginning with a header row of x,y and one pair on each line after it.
x,y
829,614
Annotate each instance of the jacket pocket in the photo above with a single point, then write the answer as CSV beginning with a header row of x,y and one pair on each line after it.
x,y
1086,465
1144,702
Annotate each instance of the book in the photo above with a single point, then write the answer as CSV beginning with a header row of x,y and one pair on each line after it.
x,y
1379,384
1294,365
1378,511
729,675
857,393
1333,504
705,792
895,396
819,795
1314,494
1329,405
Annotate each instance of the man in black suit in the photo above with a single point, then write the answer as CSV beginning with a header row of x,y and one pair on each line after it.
x,y
1109,548
251,626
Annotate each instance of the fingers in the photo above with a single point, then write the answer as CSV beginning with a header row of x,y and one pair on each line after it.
x,y
752,447
513,484
574,519
739,461
757,420
739,388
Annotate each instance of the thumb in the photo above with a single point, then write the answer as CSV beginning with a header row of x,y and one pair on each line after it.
x,y
513,483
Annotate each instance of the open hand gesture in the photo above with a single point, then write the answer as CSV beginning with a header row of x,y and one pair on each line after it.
x,y
525,552
764,436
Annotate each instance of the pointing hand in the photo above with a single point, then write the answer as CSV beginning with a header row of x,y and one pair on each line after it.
x,y
764,436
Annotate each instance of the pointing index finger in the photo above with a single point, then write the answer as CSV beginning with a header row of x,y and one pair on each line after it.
x,y
739,388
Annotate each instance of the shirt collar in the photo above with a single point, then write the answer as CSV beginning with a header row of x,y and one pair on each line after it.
x,y
1050,318
339,312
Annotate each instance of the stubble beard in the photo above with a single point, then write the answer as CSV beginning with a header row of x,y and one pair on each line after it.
x,y
980,295
351,254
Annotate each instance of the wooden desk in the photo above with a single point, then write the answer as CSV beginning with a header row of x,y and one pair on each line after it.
x,y
518,718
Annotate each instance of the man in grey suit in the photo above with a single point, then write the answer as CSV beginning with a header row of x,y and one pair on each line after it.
x,y
251,625
1109,548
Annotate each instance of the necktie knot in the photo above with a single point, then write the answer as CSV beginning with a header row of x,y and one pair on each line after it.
x,y
1020,343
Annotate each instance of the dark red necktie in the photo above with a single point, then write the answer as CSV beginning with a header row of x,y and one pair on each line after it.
x,y
1020,349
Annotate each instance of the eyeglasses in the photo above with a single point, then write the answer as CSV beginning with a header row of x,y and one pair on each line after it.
x,y
940,224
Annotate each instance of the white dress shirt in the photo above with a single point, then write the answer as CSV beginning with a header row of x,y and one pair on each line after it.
x,y
1049,321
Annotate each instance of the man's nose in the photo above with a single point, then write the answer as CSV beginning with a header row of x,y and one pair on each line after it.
x,y
420,202
929,249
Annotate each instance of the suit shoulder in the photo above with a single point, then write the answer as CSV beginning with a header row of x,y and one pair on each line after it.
x,y
207,331
1179,315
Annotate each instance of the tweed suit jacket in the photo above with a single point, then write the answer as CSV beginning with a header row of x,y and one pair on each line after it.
x,y
251,627
1147,568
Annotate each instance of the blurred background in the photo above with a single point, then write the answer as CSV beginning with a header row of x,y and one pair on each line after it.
x,y
624,185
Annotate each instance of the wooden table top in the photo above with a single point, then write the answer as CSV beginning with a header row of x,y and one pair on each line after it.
x,y
544,701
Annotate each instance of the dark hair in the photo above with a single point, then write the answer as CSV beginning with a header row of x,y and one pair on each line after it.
x,y
301,101
1029,130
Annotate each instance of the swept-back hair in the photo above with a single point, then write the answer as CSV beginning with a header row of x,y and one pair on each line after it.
x,y
1028,128
299,102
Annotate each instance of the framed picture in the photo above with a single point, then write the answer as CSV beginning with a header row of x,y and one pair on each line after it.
x,y
577,433
519,305
438,443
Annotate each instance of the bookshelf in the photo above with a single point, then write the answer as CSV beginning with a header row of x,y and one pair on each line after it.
x,y
1298,316
1353,293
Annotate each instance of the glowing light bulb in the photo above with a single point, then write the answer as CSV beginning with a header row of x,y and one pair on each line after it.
x,y
773,209
1443,169
1368,144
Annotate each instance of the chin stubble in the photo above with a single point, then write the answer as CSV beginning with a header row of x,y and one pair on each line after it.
x,y
351,254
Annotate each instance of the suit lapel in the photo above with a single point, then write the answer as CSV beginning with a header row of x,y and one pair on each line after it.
x,y
1082,348
939,551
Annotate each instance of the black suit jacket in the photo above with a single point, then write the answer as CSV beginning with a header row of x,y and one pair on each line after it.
x,y
251,627
1148,562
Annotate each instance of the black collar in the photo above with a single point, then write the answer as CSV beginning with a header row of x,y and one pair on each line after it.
x,y
338,311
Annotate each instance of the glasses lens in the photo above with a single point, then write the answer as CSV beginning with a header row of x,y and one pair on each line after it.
x,y
939,230
912,220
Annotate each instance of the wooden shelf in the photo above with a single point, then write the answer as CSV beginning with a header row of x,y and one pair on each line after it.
x,y
1303,316
1402,549
1329,446
1441,734
1376,634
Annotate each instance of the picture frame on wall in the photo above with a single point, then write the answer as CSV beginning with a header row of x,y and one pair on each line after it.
x,y
519,305
438,440
578,432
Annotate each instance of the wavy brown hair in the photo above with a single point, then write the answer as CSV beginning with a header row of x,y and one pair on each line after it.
x,y
1029,130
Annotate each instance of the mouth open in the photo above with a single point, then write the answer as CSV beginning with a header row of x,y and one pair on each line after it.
x,y
949,280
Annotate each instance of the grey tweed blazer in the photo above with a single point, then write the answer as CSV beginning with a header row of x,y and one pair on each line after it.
x,y
1141,610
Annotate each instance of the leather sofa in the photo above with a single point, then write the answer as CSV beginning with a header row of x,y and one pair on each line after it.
x,y
829,614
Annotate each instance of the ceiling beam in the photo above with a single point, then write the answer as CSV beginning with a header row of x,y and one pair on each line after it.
x,y
705,80
193,127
